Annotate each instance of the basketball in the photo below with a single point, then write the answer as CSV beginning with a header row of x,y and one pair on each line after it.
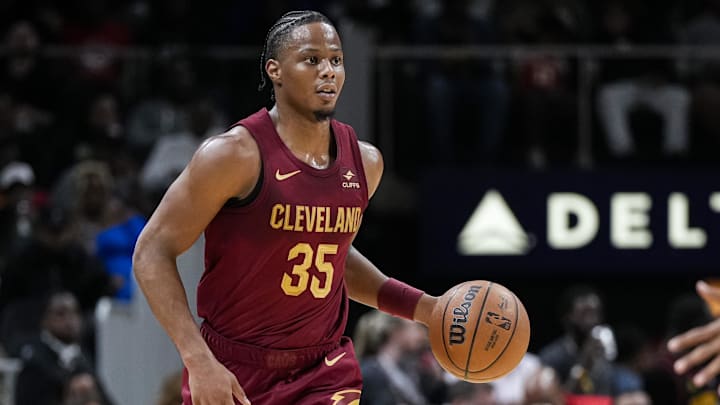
x,y
479,331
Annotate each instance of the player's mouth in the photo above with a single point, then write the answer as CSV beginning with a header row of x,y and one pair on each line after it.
x,y
327,91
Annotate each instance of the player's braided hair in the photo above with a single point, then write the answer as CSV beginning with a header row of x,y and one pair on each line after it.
x,y
278,34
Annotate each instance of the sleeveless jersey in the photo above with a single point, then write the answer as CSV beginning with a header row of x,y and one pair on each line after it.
x,y
274,269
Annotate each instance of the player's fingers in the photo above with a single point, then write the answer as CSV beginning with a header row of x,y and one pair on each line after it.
x,y
708,372
697,356
239,393
707,291
694,336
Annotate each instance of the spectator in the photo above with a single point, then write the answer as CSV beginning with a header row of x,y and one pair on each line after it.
x,y
163,112
102,137
524,21
631,361
510,389
628,84
51,260
18,199
31,91
465,393
91,25
387,348
703,29
172,152
82,389
462,90
545,91
28,77
392,20
106,225
581,356
86,193
115,247
544,387
17,205
54,356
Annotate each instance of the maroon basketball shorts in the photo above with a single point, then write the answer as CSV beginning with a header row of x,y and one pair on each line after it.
x,y
327,374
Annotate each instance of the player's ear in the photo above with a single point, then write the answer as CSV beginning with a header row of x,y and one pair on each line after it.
x,y
272,67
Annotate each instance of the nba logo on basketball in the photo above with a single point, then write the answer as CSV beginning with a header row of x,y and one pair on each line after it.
x,y
498,320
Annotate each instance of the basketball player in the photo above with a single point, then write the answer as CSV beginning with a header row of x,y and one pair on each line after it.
x,y
279,197
701,345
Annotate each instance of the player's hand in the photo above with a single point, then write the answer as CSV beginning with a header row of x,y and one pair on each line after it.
x,y
703,343
424,309
213,384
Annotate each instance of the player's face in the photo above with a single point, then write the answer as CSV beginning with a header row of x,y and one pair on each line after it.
x,y
311,69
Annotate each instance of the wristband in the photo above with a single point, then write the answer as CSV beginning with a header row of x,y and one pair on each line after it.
x,y
399,299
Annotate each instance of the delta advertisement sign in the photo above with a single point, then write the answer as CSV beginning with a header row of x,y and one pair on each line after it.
x,y
571,222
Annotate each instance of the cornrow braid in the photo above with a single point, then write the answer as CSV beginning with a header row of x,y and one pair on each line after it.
x,y
278,34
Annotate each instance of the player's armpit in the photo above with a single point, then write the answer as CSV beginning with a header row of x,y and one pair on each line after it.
x,y
373,163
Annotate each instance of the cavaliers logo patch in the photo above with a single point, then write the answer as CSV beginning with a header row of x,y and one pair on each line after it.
x,y
346,397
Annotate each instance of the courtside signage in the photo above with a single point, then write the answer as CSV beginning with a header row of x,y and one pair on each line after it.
x,y
572,221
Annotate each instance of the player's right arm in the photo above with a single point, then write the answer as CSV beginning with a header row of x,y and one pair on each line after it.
x,y
224,166
365,282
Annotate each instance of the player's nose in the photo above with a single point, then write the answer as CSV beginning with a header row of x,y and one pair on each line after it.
x,y
326,69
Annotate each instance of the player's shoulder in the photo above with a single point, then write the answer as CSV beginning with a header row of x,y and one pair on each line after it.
x,y
228,152
373,163
371,155
237,142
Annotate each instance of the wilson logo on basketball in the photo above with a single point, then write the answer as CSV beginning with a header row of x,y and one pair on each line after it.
x,y
349,183
460,316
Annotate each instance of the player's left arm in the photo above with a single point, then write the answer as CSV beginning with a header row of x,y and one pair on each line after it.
x,y
363,279
700,345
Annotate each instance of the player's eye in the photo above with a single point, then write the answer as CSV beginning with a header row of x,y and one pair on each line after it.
x,y
313,60
337,61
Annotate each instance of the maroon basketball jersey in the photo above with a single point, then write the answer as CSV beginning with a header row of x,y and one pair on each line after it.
x,y
274,269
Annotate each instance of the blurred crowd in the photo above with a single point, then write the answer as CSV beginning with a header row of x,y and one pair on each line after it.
x,y
533,109
91,136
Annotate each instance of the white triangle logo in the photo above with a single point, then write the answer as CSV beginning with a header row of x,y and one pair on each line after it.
x,y
493,229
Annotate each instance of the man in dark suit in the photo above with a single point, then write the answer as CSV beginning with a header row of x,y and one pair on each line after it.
x,y
53,357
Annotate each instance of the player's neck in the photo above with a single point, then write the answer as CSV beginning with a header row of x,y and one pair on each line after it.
x,y
303,124
308,138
